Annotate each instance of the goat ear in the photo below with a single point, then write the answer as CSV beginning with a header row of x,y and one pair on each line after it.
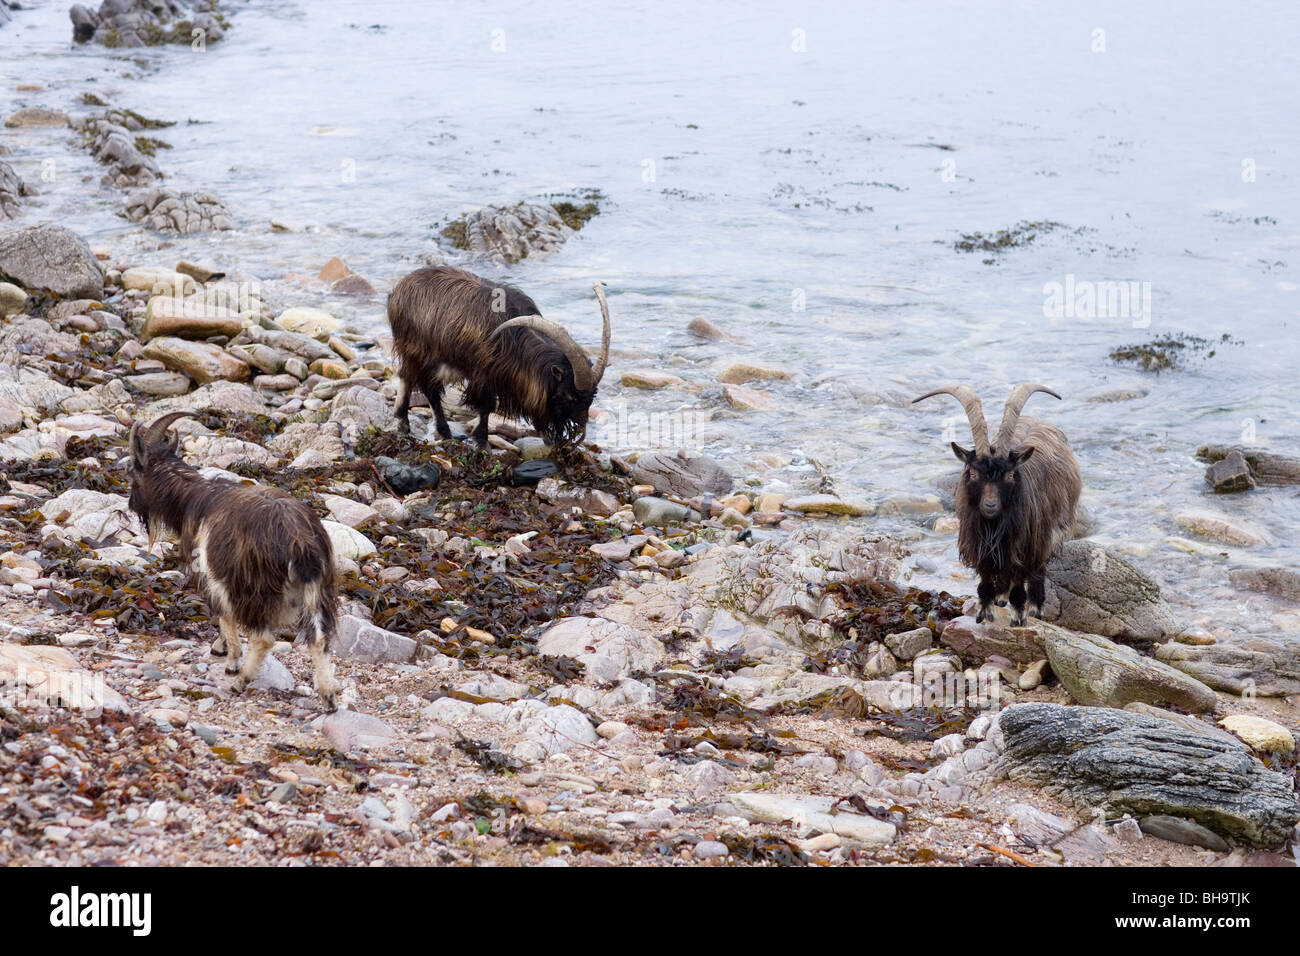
x,y
963,456
1023,455
558,373
139,454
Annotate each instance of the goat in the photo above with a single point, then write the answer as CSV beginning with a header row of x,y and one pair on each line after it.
x,y
263,558
450,325
1016,500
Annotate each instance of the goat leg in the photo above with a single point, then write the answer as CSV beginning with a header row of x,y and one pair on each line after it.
x,y
259,642
1038,593
229,641
987,592
403,408
1018,605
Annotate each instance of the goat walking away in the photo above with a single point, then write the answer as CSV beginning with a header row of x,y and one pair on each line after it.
x,y
1016,500
262,556
450,325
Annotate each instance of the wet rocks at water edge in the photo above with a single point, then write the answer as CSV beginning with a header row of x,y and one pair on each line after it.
x,y
185,212
507,234
137,23
1230,475
684,474
12,192
1092,589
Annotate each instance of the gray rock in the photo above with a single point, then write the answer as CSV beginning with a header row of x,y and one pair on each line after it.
x,y
1257,666
12,191
709,850
506,234
347,729
779,808
1102,673
48,256
1094,590
659,513
1266,467
274,676
1231,475
1180,830
184,213
682,473
1132,763
359,640
908,644
1282,583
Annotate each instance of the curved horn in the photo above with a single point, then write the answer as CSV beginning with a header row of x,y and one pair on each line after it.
x,y
1011,414
603,360
974,412
155,431
582,377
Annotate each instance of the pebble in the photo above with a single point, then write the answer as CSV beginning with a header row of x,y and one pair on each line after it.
x,y
709,850
611,729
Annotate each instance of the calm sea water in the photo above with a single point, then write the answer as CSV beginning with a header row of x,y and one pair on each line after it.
x,y
798,174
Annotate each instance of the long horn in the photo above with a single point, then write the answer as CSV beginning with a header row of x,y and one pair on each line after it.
x,y
601,362
1011,414
974,412
582,376
155,431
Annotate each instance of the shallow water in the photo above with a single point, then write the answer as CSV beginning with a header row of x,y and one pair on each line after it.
x,y
799,200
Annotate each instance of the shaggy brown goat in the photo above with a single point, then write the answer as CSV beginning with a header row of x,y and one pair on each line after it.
x,y
450,325
262,556
1016,500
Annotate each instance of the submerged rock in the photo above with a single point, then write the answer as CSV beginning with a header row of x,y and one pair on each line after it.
x,y
1279,582
1128,762
185,213
137,23
1266,467
1231,475
507,234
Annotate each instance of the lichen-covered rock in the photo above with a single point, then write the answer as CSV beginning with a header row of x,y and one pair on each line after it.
x,y
1094,590
185,213
1101,673
47,256
1131,763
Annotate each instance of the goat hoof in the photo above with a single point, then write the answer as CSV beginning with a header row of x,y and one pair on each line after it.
x,y
331,702
232,668
1018,620
1001,603
980,618
218,651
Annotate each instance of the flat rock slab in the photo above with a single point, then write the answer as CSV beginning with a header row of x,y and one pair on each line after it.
x,y
348,729
816,812
359,640
1131,763
1101,673
1095,590
979,642
1257,667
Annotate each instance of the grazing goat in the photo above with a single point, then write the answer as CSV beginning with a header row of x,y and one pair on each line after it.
x,y
263,558
1016,500
450,325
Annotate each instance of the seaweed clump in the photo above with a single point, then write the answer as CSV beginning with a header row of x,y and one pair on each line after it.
x,y
1171,352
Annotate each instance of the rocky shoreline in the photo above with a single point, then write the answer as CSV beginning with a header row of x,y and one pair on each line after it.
x,y
590,659
630,661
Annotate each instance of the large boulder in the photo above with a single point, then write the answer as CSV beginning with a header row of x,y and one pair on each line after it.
x,y
506,234
1131,763
200,361
1095,590
1101,673
50,257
